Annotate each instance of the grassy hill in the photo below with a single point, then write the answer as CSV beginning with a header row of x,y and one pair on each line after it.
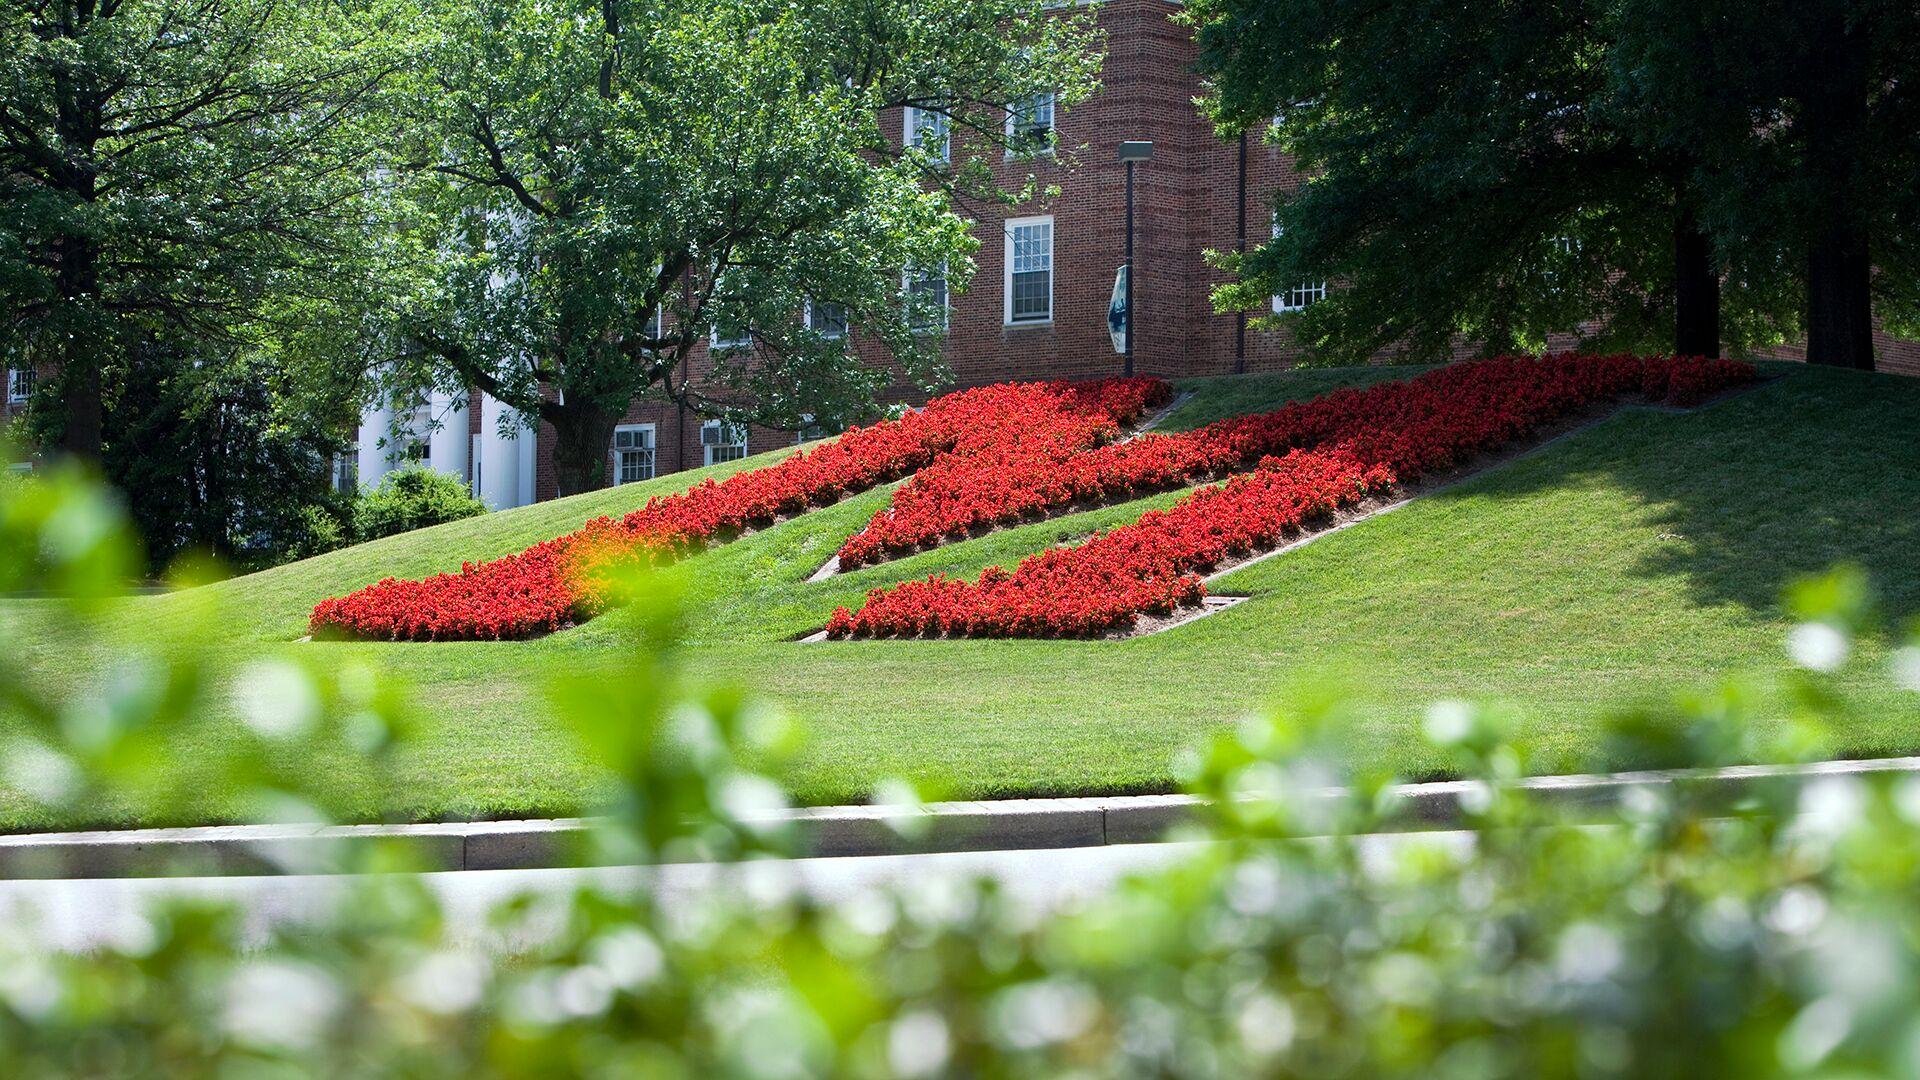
x,y
1638,557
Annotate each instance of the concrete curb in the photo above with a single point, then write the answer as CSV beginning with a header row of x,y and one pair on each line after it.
x,y
825,831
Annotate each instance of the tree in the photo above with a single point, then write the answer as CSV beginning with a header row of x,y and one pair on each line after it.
x,y
1604,167
1804,121
1496,205
224,451
165,166
598,189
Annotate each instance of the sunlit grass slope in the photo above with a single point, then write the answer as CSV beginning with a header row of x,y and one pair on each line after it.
x,y
1639,557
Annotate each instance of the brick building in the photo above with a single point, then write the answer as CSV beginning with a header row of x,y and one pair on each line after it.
x,y
18,388
1037,305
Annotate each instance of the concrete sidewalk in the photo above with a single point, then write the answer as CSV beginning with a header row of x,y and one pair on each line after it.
x,y
820,832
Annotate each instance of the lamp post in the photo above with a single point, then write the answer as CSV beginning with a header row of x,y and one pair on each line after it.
x,y
1131,151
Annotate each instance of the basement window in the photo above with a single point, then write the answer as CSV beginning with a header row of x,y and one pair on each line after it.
x,y
1301,296
723,441
632,453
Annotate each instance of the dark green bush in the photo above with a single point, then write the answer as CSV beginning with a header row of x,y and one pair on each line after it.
x,y
409,499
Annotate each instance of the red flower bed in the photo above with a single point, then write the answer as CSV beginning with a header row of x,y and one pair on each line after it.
x,y
558,582
1024,481
1366,439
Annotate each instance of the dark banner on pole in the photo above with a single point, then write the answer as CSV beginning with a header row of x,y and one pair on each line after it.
x,y
1117,311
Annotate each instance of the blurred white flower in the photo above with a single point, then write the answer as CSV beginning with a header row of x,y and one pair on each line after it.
x,y
1449,723
1817,646
1814,1033
1038,1014
629,956
285,1003
1797,911
1587,953
1906,667
1265,1024
750,797
445,982
1830,806
44,774
276,699
918,1044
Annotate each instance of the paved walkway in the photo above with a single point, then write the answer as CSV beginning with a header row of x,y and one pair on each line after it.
x,y
81,914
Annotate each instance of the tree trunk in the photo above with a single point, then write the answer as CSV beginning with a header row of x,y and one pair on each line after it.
x,y
1840,299
1696,290
83,422
1834,122
582,446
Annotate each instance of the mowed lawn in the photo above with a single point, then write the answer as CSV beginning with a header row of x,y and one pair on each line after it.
x,y
1637,559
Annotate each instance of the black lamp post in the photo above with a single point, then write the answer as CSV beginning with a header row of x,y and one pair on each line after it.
x,y
1131,151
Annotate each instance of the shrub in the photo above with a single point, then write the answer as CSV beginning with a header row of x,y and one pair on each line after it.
x,y
320,529
412,498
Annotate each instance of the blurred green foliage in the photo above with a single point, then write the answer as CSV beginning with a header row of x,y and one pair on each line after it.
x,y
1690,930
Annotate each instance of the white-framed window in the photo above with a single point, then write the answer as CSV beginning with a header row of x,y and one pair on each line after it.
x,y
730,329
20,382
927,131
346,470
810,430
656,327
723,441
827,319
1029,274
1030,124
729,333
1300,296
926,289
632,453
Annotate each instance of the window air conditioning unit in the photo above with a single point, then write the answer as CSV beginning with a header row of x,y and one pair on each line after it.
x,y
713,435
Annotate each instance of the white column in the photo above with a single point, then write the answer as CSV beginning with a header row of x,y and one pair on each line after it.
x,y
448,445
374,457
529,492
501,469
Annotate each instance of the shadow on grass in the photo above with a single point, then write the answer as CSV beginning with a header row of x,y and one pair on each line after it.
x,y
1815,469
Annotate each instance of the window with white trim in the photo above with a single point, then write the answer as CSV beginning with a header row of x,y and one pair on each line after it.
x,y
723,441
19,385
729,333
810,430
730,329
1030,124
827,319
1029,274
1301,296
346,470
928,132
926,290
632,453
